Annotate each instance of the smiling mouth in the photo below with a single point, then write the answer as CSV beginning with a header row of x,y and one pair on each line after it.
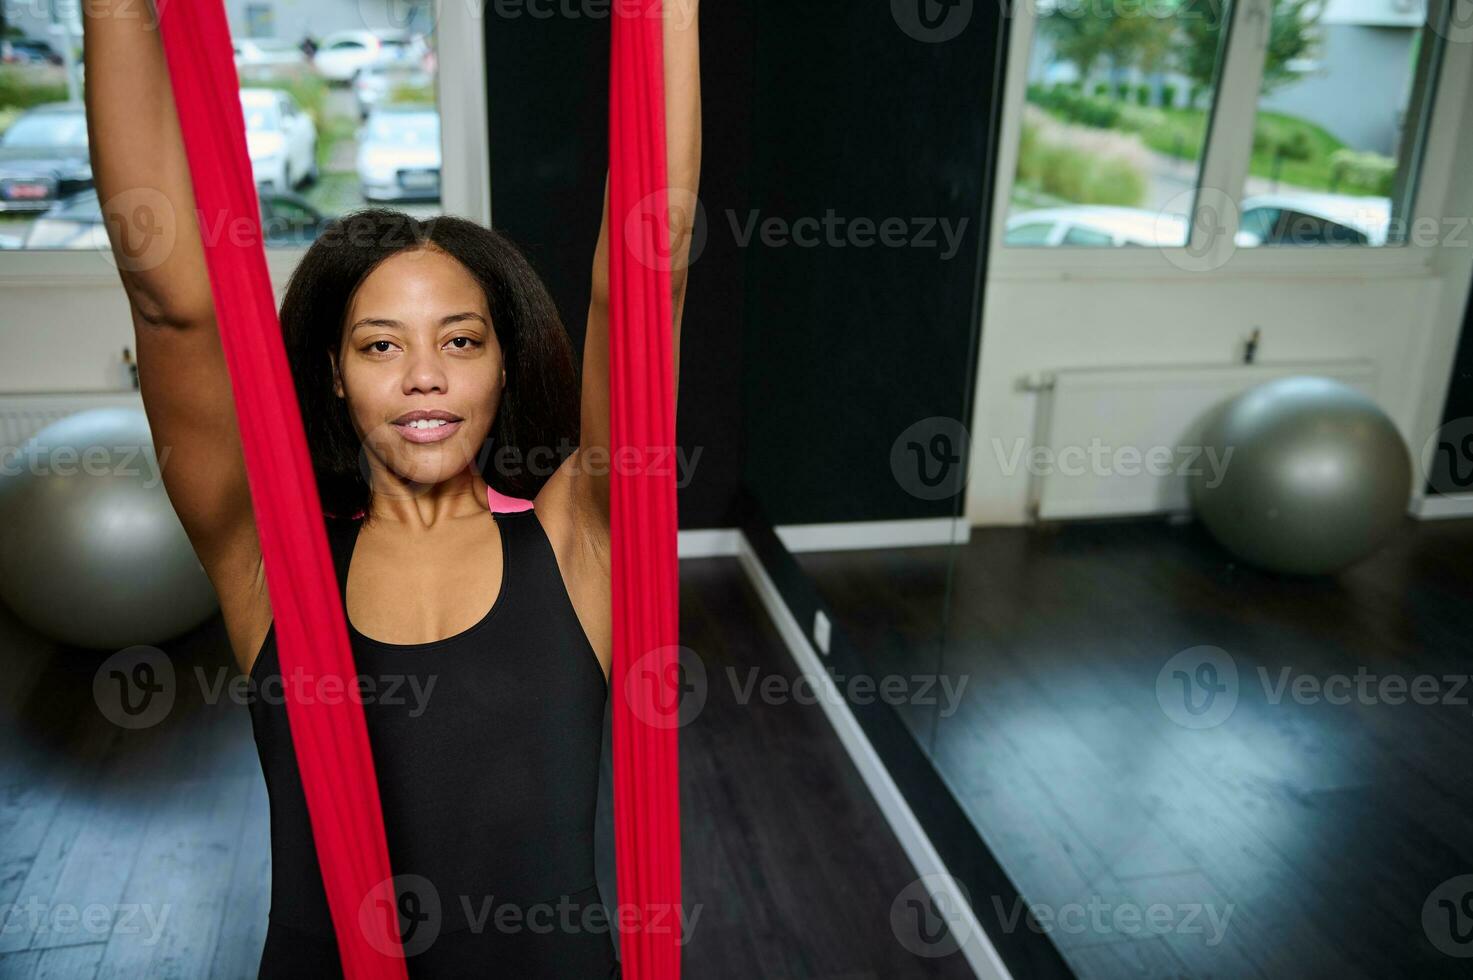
x,y
427,430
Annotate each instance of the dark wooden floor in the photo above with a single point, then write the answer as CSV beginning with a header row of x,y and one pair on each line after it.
x,y
164,829
1318,830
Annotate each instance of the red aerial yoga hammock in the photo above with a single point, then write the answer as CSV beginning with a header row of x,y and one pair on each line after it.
x,y
331,739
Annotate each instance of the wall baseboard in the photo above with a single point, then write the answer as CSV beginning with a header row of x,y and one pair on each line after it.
x,y
1444,506
842,536
708,543
945,891
856,535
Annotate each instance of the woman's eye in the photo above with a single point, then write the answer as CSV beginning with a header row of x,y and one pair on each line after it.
x,y
459,343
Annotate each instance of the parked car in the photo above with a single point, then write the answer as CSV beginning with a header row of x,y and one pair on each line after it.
x,y
399,154
286,219
1090,224
1304,218
43,157
265,52
342,54
280,137
372,85
28,51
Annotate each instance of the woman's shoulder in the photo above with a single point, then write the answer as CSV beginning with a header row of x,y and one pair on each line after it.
x,y
567,509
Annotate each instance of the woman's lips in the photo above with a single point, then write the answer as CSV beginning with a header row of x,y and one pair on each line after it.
x,y
434,433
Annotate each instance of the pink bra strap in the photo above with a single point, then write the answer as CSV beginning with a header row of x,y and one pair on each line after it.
x,y
500,503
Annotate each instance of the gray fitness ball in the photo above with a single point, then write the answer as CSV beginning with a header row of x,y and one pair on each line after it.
x,y
1318,478
91,552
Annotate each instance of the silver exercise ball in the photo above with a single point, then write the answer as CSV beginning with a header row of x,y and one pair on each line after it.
x,y
1318,476
91,552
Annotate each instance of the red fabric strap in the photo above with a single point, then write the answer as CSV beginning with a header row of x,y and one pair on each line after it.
x,y
642,500
329,734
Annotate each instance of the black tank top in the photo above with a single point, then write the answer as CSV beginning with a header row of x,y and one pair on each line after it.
x,y
486,746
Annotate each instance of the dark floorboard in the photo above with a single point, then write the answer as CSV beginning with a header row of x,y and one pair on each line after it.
x,y
1314,831
162,832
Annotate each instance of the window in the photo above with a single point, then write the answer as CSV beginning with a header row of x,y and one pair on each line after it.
x,y
334,119
1115,121
1333,135
1121,120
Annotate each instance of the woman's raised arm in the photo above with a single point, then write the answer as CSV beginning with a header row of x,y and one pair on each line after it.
x,y
147,198
683,173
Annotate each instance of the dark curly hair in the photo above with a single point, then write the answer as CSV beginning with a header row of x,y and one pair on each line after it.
x,y
539,408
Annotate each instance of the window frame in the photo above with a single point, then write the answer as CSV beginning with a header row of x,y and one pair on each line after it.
x,y
1225,163
465,172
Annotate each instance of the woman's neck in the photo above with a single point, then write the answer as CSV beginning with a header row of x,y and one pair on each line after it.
x,y
425,507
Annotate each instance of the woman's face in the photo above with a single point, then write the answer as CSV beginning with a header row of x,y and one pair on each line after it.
x,y
418,338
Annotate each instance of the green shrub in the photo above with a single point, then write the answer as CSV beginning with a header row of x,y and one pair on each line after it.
x,y
1296,146
1048,164
1114,181
1027,154
24,86
1168,96
411,95
1102,90
1273,139
1143,95
308,88
1366,171
1072,106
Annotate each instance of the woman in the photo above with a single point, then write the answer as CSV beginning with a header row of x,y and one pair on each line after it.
x,y
476,586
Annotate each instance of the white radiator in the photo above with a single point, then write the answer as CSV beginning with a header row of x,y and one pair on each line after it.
x,y
1121,441
23,415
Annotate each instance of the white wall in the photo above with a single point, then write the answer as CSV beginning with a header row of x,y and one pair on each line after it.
x,y
1401,308
63,338
64,321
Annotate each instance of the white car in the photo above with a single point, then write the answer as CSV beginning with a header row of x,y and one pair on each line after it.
x,y
1312,218
399,154
343,53
373,85
1091,224
254,52
280,137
